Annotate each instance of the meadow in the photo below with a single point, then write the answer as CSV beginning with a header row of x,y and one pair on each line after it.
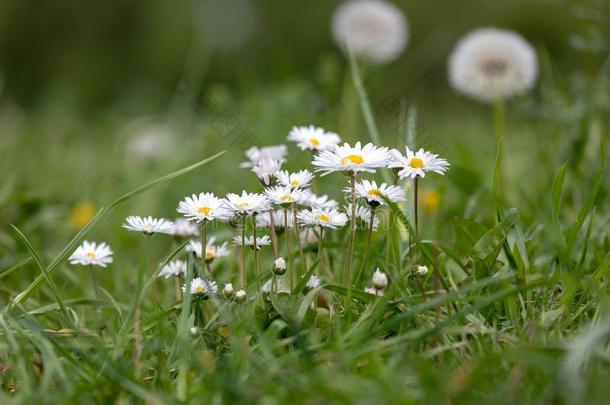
x,y
484,280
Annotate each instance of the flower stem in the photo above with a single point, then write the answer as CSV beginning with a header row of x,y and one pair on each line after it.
x,y
273,234
204,245
94,281
320,239
350,251
416,217
242,269
136,327
298,236
255,249
288,253
368,245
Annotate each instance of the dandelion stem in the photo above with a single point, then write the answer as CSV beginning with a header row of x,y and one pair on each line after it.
x,y
298,236
368,245
242,269
499,132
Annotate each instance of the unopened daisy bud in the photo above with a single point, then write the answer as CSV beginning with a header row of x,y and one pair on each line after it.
x,y
380,280
194,331
279,266
313,282
421,270
240,296
228,291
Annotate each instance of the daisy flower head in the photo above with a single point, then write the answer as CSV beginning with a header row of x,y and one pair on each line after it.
x,y
249,241
266,170
212,250
328,218
280,220
174,268
313,138
283,195
256,154
300,179
92,254
202,287
315,201
202,207
375,194
183,228
416,164
313,282
489,64
375,30
351,159
246,203
363,216
148,225
228,291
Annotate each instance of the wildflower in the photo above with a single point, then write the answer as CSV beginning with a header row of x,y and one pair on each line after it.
x,y
312,200
249,241
92,254
363,215
313,282
183,228
255,155
266,170
373,291
173,268
421,270
202,207
283,195
299,179
246,203
375,30
328,218
380,280
489,64
313,138
279,266
227,291
81,214
194,331
416,164
202,287
279,217
212,251
240,296
374,194
351,159
148,225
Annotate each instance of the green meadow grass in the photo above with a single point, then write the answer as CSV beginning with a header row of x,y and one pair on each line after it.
x,y
515,308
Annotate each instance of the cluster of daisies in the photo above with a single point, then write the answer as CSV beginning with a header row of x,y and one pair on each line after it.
x,y
285,205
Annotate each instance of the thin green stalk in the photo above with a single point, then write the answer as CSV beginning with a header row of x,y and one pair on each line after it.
x,y
94,281
368,245
320,239
298,236
416,216
274,240
136,327
204,245
288,252
499,133
242,270
350,252
255,250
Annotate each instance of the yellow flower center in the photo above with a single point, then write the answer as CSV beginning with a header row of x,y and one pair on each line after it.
x,y
90,255
243,205
374,192
355,159
81,214
416,163
294,183
314,141
199,289
323,218
204,210
286,198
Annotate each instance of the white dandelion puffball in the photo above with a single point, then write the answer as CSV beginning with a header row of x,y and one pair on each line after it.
x,y
489,64
373,29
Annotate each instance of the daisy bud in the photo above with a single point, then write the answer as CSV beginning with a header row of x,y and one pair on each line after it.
x,y
240,296
228,291
421,270
194,331
279,266
313,282
380,280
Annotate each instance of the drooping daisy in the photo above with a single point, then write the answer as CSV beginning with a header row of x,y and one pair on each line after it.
x,y
279,220
212,250
205,206
255,154
328,218
148,225
313,138
283,195
373,29
313,282
183,228
246,203
202,287
379,279
266,170
315,201
249,241
416,164
351,159
92,254
299,179
374,194
373,291
363,216
489,64
174,268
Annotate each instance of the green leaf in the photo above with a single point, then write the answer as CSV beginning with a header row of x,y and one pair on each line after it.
x,y
556,189
488,247
287,306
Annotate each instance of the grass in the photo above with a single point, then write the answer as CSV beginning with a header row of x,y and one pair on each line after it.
x,y
514,309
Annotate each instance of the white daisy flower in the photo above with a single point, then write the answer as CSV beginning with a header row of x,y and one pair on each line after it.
x,y
490,64
262,221
363,216
351,159
313,138
260,241
205,206
255,154
92,254
313,282
374,29
328,218
174,268
148,225
421,270
283,195
212,250
299,179
374,194
373,291
416,164
380,279
314,201
266,170
201,287
183,228
246,203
